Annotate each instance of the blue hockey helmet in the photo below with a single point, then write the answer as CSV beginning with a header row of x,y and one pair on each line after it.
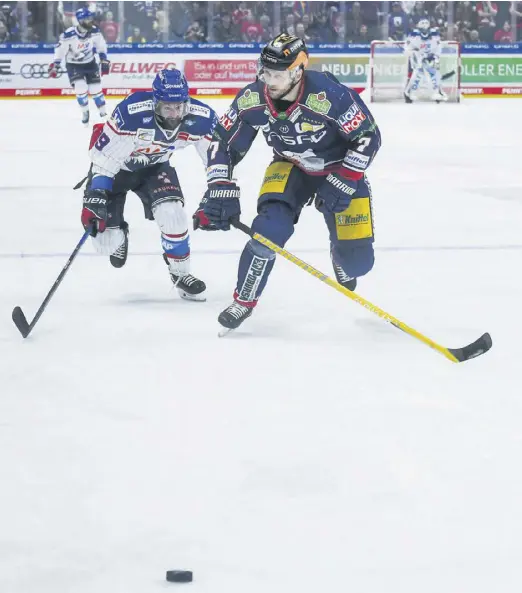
x,y
85,18
170,94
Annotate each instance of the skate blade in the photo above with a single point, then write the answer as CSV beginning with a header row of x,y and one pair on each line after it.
x,y
198,298
224,331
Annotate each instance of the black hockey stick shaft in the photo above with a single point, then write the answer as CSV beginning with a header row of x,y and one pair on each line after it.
x,y
18,316
478,347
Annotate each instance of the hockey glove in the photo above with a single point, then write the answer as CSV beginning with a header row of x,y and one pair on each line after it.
x,y
105,66
94,213
335,194
200,221
53,69
220,204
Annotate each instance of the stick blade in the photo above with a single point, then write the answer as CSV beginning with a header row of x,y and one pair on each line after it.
x,y
477,348
20,321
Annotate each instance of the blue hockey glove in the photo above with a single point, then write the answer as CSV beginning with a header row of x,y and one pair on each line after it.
x,y
220,204
335,194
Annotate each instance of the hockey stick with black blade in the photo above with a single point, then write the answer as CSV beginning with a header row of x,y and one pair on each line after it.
x,y
478,347
18,316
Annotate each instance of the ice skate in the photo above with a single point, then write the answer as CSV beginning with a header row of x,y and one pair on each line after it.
x,y
119,257
189,287
233,316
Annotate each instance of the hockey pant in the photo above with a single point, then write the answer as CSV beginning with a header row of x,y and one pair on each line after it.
x,y
85,79
159,190
285,191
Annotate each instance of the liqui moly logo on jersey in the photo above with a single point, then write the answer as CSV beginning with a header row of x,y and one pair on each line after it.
x,y
228,119
351,119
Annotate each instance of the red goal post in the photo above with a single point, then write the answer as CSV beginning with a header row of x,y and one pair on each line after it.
x,y
388,71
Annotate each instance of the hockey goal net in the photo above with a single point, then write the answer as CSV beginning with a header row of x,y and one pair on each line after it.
x,y
389,71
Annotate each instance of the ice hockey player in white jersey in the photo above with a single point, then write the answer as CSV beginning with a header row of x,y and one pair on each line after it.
x,y
131,152
78,46
423,50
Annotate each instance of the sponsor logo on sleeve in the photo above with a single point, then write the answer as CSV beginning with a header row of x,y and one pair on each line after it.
x,y
318,102
141,106
351,119
357,160
228,119
217,172
247,100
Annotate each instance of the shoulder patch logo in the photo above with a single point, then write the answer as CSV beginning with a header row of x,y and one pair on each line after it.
x,y
116,118
351,119
199,110
318,102
228,119
137,107
247,100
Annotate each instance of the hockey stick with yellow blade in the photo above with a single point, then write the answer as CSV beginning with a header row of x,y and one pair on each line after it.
x,y
478,347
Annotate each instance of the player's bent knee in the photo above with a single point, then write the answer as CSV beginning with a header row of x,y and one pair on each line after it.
x,y
260,250
171,216
355,261
275,221
109,241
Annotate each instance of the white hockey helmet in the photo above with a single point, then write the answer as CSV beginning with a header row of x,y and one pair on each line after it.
x,y
423,26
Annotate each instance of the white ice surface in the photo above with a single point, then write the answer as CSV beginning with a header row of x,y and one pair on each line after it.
x,y
315,450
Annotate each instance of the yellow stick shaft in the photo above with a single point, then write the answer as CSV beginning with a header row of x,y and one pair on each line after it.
x,y
351,295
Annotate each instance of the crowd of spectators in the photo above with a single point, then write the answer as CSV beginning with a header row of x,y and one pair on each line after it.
x,y
471,22
326,22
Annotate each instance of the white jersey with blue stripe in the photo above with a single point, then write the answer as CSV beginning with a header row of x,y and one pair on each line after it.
x,y
78,47
425,45
132,140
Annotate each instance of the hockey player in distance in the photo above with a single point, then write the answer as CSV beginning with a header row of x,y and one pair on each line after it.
x,y
423,49
78,46
131,153
323,138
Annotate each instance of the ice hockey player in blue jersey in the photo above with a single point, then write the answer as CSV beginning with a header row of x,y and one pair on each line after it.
x,y
324,139
78,47
131,152
423,49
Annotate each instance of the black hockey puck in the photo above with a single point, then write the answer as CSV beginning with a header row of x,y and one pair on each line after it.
x,y
179,576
